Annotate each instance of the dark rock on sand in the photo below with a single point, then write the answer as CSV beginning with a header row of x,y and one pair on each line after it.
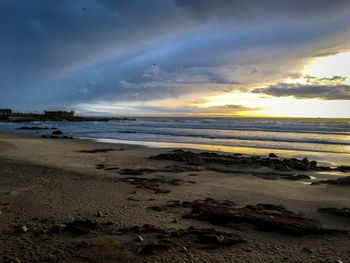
x,y
33,128
266,217
152,247
344,212
151,184
340,181
97,150
81,227
67,137
131,172
180,169
275,176
343,168
272,155
57,132
209,158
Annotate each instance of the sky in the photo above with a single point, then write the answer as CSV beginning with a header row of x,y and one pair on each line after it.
x,y
176,57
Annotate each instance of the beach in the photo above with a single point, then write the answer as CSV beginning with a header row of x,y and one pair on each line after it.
x,y
50,186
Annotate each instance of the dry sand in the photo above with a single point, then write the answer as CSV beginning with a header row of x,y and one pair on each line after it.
x,y
45,183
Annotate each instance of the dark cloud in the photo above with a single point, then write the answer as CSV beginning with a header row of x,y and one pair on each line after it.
x,y
251,10
317,88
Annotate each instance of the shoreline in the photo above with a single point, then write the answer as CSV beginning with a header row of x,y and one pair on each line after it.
x,y
47,183
324,158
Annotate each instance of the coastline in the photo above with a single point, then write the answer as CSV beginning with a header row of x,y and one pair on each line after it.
x,y
54,181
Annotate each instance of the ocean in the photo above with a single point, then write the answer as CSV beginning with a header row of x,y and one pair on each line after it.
x,y
326,140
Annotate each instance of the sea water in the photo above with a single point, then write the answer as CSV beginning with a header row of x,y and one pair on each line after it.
x,y
315,138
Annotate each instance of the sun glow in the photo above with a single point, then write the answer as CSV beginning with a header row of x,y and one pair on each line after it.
x,y
316,69
337,65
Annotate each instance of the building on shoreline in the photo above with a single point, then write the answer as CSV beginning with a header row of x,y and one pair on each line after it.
x,y
59,114
8,115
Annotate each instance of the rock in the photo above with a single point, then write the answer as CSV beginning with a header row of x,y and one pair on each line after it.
x,y
67,137
303,176
209,158
184,249
57,132
313,164
130,172
80,227
305,161
152,247
340,181
156,208
100,214
59,228
133,199
343,168
344,212
266,217
32,128
152,184
173,203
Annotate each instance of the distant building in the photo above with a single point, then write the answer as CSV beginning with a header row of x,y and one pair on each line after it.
x,y
59,114
5,112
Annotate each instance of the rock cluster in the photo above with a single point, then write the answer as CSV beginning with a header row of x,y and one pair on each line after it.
x,y
266,217
205,158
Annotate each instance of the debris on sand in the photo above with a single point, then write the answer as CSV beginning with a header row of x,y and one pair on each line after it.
x,y
152,184
266,217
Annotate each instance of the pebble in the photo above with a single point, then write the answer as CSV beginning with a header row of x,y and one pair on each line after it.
x,y
99,214
24,228
139,238
184,249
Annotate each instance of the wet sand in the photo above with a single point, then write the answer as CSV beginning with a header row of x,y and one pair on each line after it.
x,y
47,183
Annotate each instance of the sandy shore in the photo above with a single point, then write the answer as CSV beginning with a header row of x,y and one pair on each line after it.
x,y
48,183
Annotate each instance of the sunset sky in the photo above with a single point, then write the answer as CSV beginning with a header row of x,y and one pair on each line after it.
x,y
177,57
